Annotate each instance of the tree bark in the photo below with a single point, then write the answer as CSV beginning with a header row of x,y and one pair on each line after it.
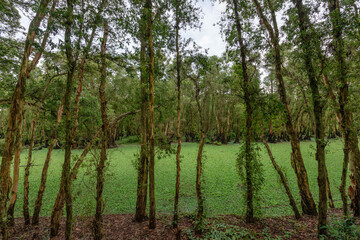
x,y
152,213
318,103
15,182
249,215
178,123
143,168
307,201
350,136
29,161
105,126
65,177
42,187
226,135
16,109
81,69
200,199
283,180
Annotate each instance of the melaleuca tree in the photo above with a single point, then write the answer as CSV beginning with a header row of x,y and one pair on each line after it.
x,y
185,16
267,15
306,44
239,33
14,127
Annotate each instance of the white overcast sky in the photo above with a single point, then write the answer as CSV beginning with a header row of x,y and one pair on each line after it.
x,y
208,37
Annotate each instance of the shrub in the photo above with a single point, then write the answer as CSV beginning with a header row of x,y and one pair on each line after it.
x,y
343,228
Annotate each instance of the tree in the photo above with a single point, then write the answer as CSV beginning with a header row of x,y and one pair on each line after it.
x,y
307,201
318,103
350,137
105,128
15,116
71,63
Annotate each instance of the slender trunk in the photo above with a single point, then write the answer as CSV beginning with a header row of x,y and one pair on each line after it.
x,y
328,190
32,65
283,180
27,170
200,199
140,213
178,125
152,213
199,195
346,152
226,135
105,126
65,177
318,103
81,69
16,109
349,134
29,161
344,197
42,187
218,129
249,215
307,201
15,183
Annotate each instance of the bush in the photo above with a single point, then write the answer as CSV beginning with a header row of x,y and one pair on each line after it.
x,y
343,228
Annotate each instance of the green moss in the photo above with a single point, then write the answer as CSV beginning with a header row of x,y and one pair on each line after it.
x,y
221,181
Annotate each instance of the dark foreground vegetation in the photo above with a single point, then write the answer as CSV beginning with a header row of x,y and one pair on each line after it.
x,y
82,75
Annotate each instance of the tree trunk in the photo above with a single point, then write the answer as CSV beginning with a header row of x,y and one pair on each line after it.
x,y
152,216
349,134
32,65
65,177
81,69
15,183
16,109
178,123
249,215
307,201
29,161
42,187
226,135
318,103
142,188
100,168
199,195
283,180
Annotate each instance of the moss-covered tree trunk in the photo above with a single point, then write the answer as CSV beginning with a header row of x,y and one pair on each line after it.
x,y
198,184
71,64
249,215
15,182
178,122
318,103
16,109
283,181
349,134
104,141
151,71
42,186
307,200
29,160
143,169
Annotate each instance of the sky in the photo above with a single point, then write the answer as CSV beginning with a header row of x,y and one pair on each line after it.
x,y
208,37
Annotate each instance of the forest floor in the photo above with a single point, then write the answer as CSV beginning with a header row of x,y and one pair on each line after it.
x,y
122,226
